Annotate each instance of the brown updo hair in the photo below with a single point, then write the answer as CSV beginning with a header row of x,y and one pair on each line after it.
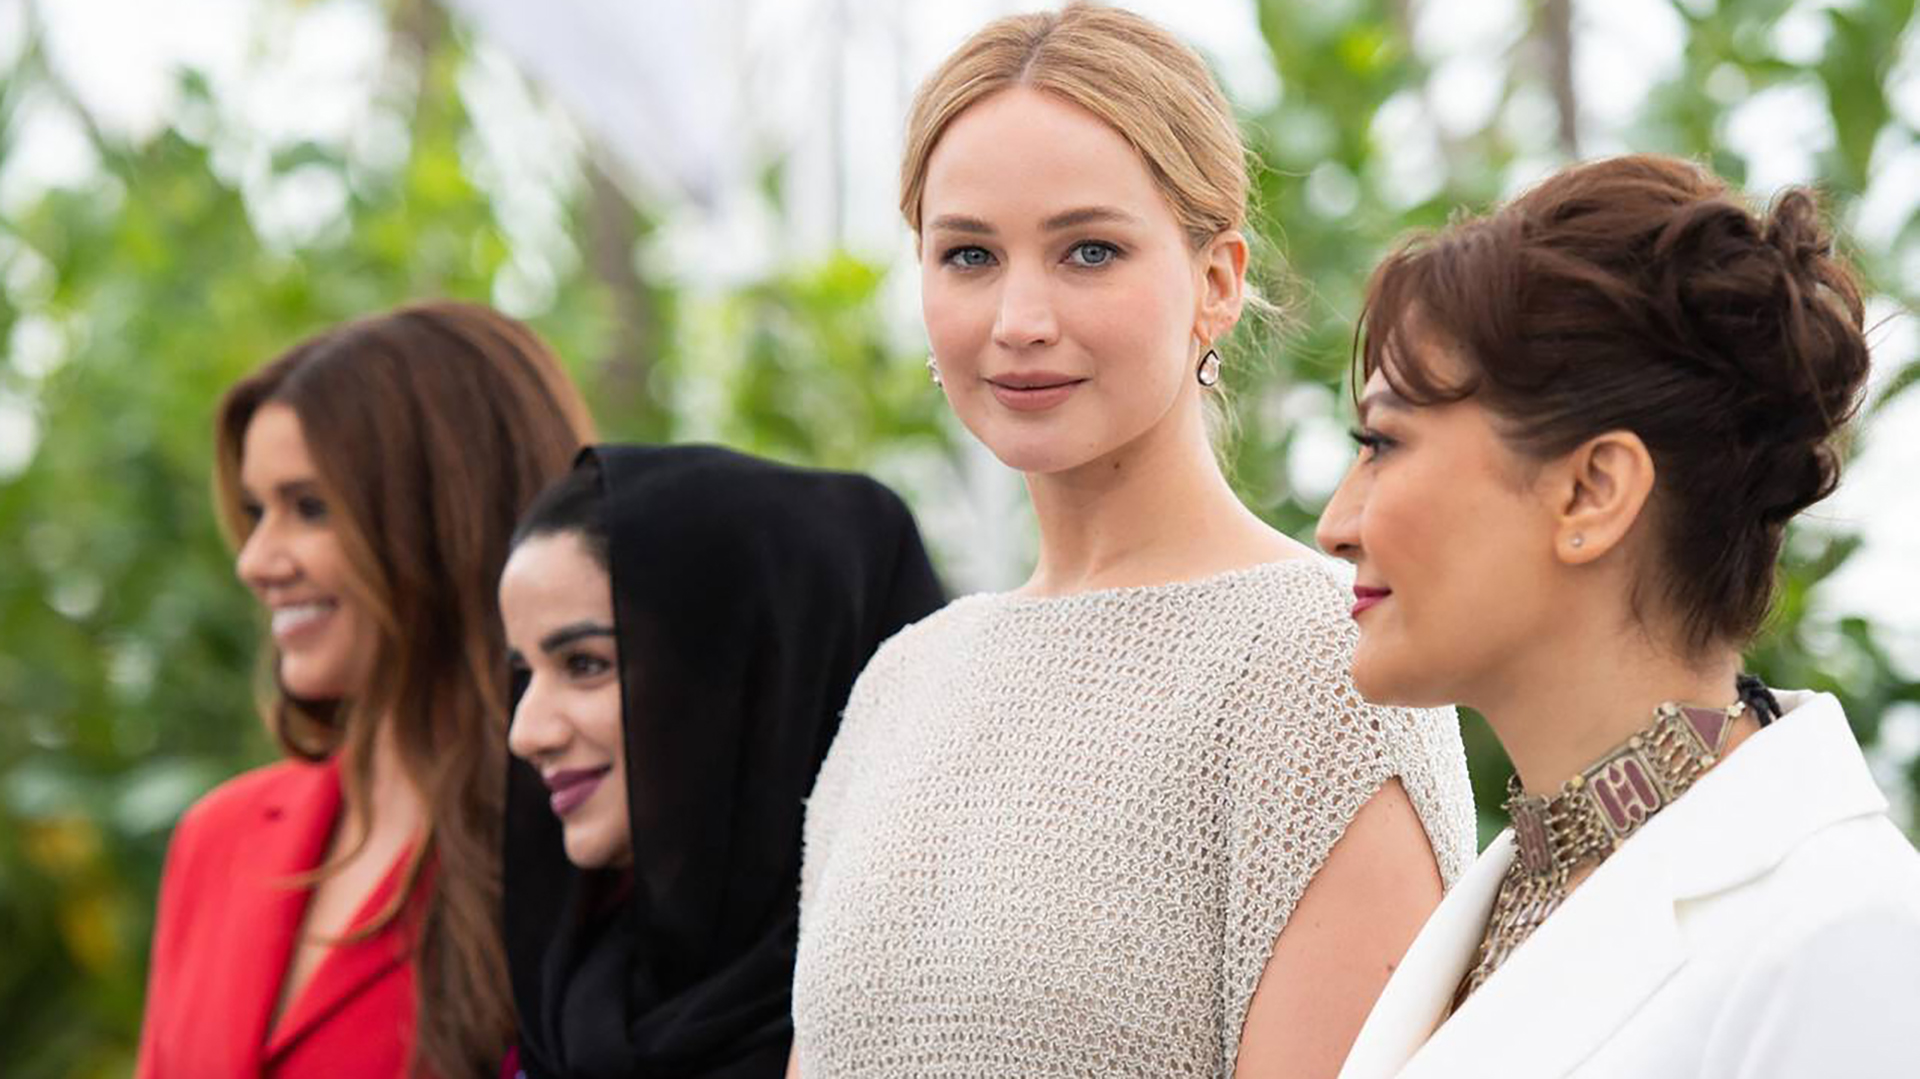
x,y
1638,293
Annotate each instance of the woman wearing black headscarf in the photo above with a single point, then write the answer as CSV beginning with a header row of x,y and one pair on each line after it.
x,y
685,623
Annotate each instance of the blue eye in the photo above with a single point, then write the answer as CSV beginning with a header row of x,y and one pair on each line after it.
x,y
1092,253
967,258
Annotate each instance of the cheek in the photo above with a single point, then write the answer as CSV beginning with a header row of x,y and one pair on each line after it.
x,y
959,320
1468,586
597,717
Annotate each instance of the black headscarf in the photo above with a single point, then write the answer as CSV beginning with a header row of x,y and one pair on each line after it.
x,y
747,596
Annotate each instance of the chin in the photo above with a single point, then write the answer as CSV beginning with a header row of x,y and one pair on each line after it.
x,y
1039,450
1389,680
592,851
312,680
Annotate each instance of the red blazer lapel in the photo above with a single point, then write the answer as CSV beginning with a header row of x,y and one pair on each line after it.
x,y
350,968
287,836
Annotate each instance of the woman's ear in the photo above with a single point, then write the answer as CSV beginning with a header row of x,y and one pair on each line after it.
x,y
1598,492
1223,285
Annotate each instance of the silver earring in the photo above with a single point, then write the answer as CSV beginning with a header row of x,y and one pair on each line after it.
x,y
933,370
1209,372
1578,541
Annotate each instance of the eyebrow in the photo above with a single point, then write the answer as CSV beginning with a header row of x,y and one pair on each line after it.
x,y
962,223
1085,215
1088,215
578,631
289,489
1383,398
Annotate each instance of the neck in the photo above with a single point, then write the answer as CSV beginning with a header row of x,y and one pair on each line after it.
x,y
394,803
1156,510
1568,710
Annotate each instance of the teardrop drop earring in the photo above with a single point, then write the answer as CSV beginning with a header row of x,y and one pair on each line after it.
x,y
1208,373
933,370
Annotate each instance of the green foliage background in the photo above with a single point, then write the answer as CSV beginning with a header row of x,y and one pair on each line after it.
x,y
127,650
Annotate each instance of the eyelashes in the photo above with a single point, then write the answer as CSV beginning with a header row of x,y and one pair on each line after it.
x,y
585,665
967,258
1106,251
1371,442
1081,255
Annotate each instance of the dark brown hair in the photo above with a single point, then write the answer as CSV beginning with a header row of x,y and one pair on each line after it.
x,y
432,427
1639,294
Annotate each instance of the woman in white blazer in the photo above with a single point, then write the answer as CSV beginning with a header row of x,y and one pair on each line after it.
x,y
1586,420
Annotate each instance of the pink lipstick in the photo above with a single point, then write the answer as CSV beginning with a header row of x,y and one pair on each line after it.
x,y
1364,597
572,787
1033,391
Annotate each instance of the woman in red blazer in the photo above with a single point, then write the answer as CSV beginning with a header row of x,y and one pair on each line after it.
x,y
337,913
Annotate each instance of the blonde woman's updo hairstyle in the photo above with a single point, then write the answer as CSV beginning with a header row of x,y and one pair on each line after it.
x,y
1642,294
1139,79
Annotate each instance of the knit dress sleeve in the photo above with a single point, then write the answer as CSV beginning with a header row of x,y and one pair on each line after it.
x,y
852,750
1304,751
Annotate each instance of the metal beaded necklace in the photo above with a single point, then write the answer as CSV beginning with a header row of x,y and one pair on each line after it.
x,y
1596,810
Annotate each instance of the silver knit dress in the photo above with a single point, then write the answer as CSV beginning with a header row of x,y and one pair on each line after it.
x,y
1058,836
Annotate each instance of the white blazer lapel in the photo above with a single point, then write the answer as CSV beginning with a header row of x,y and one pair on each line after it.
x,y
1417,996
1582,974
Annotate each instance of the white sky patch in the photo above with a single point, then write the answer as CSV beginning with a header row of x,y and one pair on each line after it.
x,y
526,155
19,434
315,73
296,208
1410,166
1464,92
1484,28
1893,190
1317,457
128,75
1878,498
13,32
1780,131
1332,191
37,347
1800,36
50,149
1227,32
1903,80
1622,50
1318,450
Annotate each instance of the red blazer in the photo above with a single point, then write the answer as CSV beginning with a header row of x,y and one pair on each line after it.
x,y
227,921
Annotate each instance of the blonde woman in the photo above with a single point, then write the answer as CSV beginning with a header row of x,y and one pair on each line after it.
x,y
1132,817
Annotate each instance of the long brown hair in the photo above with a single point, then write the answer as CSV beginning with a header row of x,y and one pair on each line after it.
x,y
432,427
1641,293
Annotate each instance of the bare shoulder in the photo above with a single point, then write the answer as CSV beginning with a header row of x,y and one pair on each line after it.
x,y
1341,943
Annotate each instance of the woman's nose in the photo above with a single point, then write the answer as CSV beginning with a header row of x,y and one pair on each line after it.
x,y
537,729
1338,532
263,559
1026,317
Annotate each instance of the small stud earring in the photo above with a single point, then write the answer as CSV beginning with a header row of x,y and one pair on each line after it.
x,y
1208,373
933,370
1578,541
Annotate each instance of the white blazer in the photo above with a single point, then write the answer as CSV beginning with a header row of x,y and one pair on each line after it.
x,y
1766,924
